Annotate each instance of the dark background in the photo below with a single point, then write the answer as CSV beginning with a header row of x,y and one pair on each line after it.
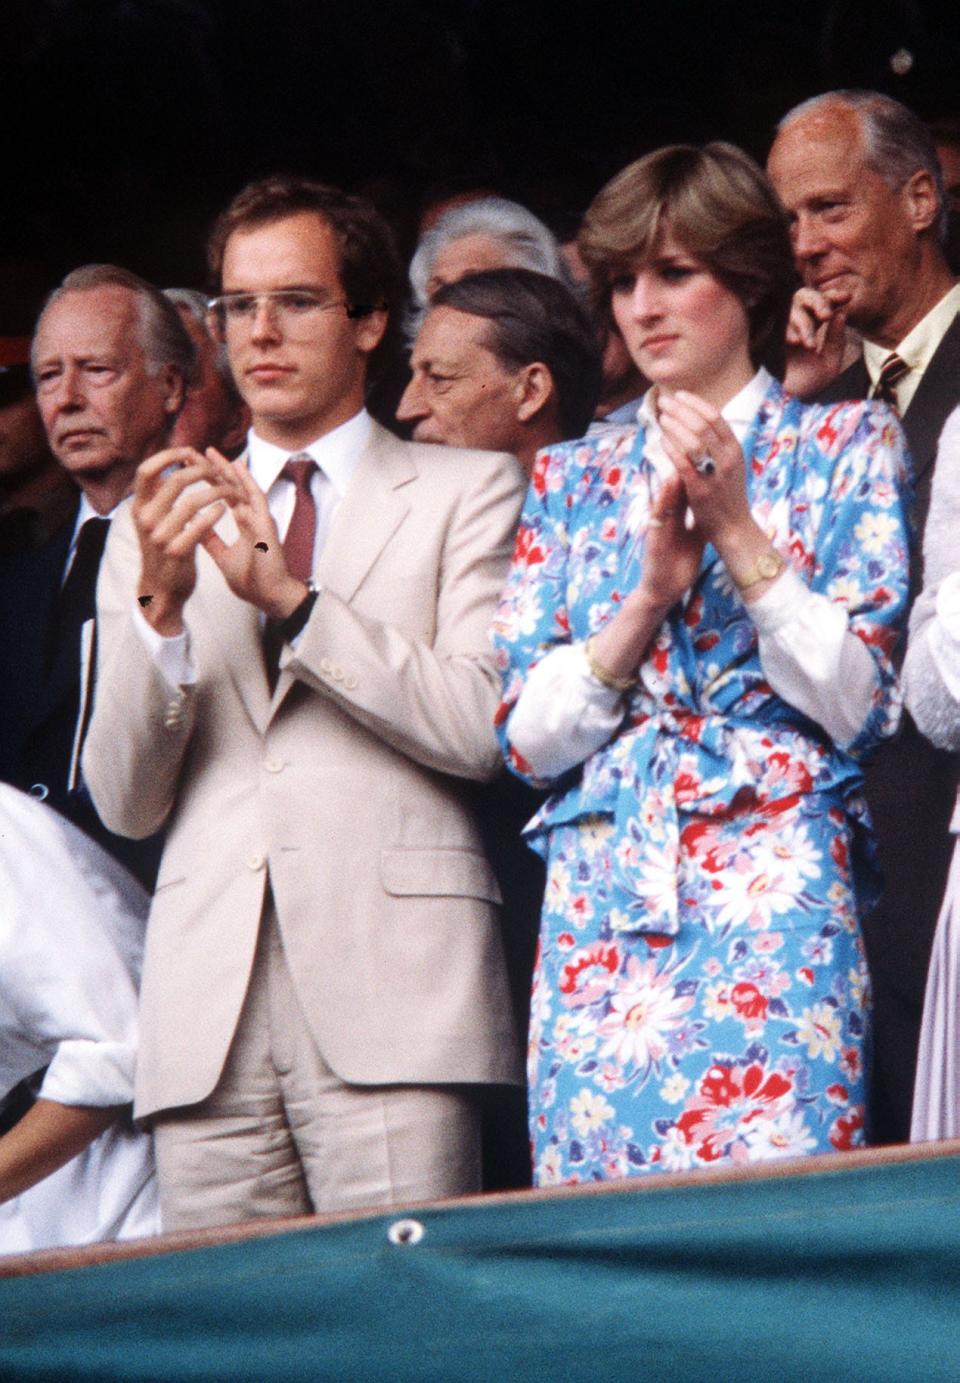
x,y
129,123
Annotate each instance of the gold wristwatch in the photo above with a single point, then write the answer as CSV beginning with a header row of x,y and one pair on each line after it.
x,y
765,568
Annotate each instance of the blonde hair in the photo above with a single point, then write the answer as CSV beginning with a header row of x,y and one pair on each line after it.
x,y
719,206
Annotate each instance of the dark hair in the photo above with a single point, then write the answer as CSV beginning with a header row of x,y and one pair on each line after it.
x,y
370,269
533,317
164,338
719,206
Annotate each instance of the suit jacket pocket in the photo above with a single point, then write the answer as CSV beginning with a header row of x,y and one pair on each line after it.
x,y
438,873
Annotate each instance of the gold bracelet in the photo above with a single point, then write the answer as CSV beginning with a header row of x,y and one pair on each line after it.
x,y
597,670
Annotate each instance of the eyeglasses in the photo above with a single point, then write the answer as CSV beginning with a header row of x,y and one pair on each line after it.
x,y
290,307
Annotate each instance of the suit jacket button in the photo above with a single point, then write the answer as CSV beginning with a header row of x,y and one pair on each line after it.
x,y
350,683
255,862
274,765
326,667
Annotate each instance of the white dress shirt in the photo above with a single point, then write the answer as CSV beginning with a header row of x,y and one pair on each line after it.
x,y
71,937
336,454
808,653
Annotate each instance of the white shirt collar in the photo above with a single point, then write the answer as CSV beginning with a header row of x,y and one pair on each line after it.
x,y
739,411
336,453
85,510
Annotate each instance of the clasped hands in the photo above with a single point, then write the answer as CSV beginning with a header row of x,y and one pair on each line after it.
x,y
694,431
179,496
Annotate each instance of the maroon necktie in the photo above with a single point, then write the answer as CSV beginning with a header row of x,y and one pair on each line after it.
x,y
298,544
892,371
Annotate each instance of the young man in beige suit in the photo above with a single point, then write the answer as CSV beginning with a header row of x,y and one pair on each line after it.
x,y
294,673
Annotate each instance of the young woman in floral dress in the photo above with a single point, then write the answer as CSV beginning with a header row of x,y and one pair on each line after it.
x,y
695,647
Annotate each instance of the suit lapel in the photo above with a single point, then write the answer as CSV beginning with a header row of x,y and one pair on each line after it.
x,y
369,515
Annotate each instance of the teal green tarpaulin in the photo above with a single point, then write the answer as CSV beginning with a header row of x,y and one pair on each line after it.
x,y
846,1272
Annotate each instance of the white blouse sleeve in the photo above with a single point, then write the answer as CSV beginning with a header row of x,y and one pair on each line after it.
x,y
564,714
812,659
808,654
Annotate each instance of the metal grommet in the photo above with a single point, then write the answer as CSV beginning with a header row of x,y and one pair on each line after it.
x,y
406,1232
40,791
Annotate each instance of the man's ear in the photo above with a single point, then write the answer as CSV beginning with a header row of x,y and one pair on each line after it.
x,y
236,434
534,390
919,193
369,329
174,390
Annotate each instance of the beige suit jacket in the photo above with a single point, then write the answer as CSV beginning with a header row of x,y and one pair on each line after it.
x,y
340,788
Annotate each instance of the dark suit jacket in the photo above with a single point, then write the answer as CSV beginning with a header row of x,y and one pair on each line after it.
x,y
910,788
38,711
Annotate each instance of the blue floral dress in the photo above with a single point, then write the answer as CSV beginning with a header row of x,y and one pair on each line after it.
x,y
701,994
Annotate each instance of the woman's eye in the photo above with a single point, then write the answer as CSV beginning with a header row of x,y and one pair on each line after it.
x,y
623,283
676,273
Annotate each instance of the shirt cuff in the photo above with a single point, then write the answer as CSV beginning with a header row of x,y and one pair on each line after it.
x,y
564,714
780,603
171,655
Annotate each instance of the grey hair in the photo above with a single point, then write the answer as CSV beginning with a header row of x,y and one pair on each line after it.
x,y
896,142
528,243
192,301
163,337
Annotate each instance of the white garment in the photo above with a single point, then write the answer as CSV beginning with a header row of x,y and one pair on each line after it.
x,y
71,941
336,454
807,651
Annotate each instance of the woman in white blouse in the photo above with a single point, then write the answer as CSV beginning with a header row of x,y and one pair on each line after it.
x,y
695,646
73,1169
931,677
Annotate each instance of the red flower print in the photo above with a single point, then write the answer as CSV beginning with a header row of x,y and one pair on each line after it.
x,y
839,853
748,1001
730,1099
527,549
837,1093
844,1129
656,941
851,1062
586,977
694,611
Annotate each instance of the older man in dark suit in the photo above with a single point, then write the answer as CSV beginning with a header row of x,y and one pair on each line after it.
x,y
110,362
859,176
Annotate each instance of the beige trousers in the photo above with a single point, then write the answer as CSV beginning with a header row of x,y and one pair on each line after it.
x,y
282,1135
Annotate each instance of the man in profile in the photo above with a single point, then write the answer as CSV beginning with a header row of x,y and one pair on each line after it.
x,y
506,360
295,676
